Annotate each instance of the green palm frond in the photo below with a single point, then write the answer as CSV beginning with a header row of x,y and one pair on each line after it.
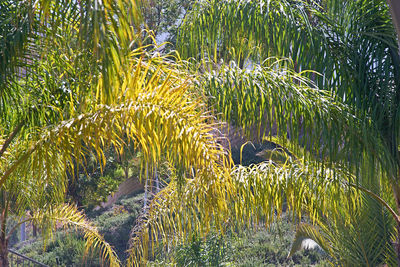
x,y
316,36
359,234
94,37
275,100
15,28
352,44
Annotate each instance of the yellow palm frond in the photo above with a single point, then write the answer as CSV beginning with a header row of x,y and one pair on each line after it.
x,y
68,216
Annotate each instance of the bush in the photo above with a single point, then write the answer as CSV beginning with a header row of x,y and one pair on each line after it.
x,y
212,251
67,249
270,247
116,223
252,247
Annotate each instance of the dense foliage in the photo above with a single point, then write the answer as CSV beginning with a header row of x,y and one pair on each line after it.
x,y
83,83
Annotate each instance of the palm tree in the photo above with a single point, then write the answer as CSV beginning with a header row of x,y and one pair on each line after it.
x,y
34,103
104,86
352,44
79,85
223,196
343,110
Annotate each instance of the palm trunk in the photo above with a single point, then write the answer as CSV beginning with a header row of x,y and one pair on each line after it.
x,y
145,187
126,171
3,235
396,189
397,244
394,6
4,253
11,137
34,230
157,182
23,230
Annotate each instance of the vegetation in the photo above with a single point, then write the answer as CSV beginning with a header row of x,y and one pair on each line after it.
x,y
252,247
91,185
317,80
68,248
65,108
164,17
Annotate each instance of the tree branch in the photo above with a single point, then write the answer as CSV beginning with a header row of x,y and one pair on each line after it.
x,y
394,6
379,199
16,226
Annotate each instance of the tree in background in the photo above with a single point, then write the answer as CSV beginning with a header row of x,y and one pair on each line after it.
x,y
164,18
94,184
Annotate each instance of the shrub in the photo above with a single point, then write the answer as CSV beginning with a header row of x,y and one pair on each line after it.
x,y
66,249
212,251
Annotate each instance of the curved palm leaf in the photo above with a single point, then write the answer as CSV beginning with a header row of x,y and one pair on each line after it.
x,y
275,100
156,113
153,109
94,37
68,216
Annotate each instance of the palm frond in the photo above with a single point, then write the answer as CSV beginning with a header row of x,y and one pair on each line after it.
x,y
245,196
183,134
50,217
97,36
352,44
275,100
